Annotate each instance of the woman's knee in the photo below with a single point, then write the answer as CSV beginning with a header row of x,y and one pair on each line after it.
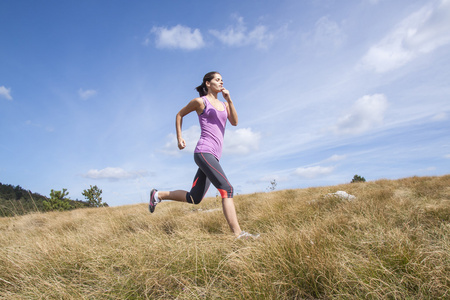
x,y
193,199
226,192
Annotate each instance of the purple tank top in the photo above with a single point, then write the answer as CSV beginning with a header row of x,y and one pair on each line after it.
x,y
212,124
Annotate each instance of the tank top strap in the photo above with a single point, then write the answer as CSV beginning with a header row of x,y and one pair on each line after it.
x,y
205,101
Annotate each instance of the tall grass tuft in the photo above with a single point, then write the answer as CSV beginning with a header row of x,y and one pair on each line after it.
x,y
391,242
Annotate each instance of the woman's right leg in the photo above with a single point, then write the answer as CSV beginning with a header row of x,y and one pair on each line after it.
x,y
199,188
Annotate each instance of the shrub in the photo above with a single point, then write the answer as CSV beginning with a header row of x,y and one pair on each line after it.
x,y
358,178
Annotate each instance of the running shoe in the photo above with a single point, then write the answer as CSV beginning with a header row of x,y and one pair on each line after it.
x,y
245,235
153,202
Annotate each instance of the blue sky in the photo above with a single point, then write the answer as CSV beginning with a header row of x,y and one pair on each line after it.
x,y
324,90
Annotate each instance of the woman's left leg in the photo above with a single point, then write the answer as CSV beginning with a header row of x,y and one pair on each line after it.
x,y
230,215
211,167
178,195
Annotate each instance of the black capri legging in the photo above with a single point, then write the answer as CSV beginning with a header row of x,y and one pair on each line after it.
x,y
209,171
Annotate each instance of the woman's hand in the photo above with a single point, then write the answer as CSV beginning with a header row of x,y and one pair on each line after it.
x,y
181,144
226,94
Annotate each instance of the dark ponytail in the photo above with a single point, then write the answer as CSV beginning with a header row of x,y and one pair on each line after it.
x,y
203,89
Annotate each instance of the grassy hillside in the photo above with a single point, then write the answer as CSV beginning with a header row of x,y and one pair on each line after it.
x,y
391,242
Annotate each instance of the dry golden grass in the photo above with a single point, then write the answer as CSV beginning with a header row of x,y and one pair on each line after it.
x,y
391,242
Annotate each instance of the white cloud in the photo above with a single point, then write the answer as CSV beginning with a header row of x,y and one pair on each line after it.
x,y
179,36
328,33
190,136
420,33
238,35
366,113
38,125
313,172
447,156
440,117
241,141
5,92
114,174
336,157
86,94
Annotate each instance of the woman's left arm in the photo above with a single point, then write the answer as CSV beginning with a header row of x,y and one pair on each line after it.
x,y
232,114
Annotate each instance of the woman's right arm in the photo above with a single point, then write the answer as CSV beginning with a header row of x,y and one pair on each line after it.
x,y
195,105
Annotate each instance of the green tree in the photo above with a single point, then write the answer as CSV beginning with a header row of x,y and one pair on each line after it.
x,y
58,201
93,196
358,178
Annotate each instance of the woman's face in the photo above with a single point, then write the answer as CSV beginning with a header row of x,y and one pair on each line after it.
x,y
216,84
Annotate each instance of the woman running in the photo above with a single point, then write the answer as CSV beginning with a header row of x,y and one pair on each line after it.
x,y
212,114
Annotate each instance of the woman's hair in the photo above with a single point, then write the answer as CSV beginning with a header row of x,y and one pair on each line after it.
x,y
202,89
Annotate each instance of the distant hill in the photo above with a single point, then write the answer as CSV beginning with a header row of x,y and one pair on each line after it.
x,y
15,200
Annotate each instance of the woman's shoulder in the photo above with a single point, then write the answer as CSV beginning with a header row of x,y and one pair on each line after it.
x,y
197,104
199,101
